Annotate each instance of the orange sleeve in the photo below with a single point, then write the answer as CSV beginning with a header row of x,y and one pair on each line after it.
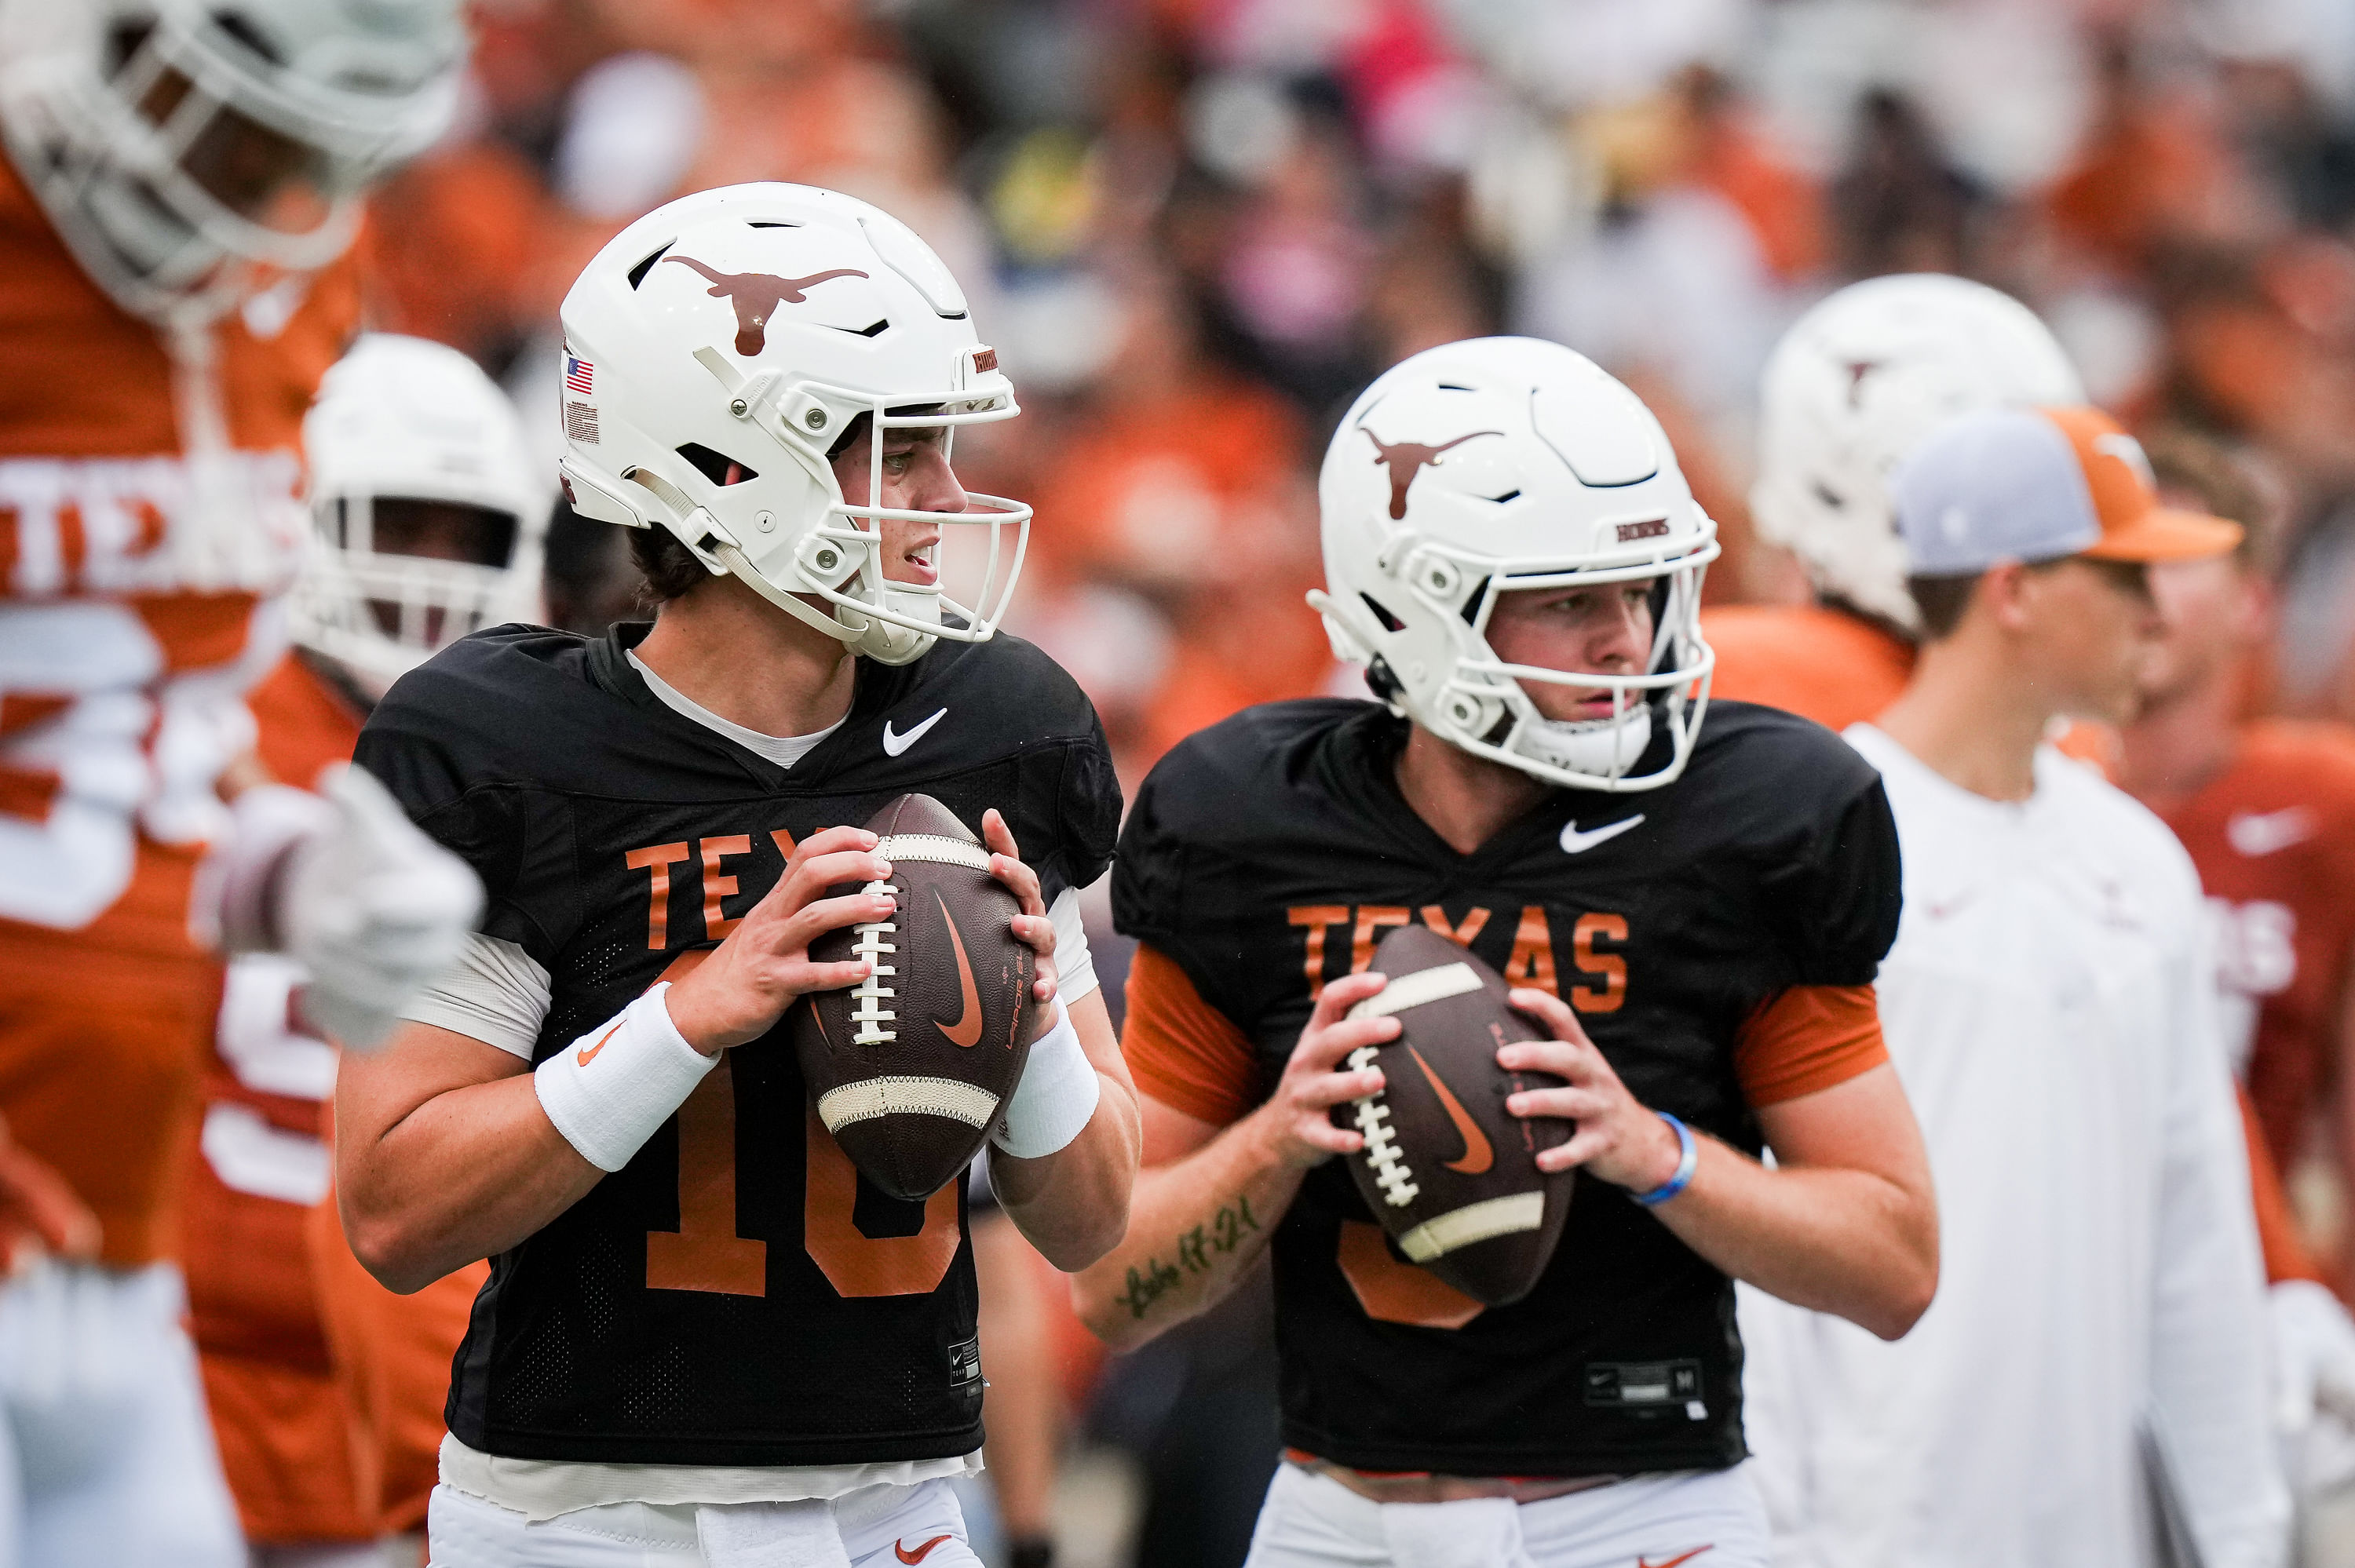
x,y
2285,1249
1182,1051
1807,1038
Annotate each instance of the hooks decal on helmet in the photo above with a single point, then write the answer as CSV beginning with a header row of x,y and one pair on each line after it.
x,y
756,296
1405,459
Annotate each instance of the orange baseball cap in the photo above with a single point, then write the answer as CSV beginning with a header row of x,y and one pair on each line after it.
x,y
2038,485
2135,527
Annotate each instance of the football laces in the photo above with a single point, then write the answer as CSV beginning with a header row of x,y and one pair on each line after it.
x,y
876,1019
1391,1173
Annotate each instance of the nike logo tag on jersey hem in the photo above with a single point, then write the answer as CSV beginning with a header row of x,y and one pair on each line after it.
x,y
1478,1154
966,1031
1644,1561
921,1552
893,745
1575,842
2256,834
583,1058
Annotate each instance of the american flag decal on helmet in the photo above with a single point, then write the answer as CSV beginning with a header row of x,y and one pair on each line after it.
x,y
577,376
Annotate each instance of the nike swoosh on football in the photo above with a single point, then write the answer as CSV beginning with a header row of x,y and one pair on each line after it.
x,y
966,1030
2256,833
1644,1561
893,745
1477,1154
1575,842
583,1058
921,1552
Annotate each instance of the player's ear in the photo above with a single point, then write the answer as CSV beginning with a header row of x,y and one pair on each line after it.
x,y
2007,594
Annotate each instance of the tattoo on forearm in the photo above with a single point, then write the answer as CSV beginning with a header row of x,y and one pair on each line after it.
x,y
1221,1234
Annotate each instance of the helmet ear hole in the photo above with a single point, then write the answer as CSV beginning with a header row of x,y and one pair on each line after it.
x,y
1381,613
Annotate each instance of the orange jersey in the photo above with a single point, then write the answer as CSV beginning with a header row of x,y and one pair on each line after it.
x,y
1820,663
392,1356
279,1414
2273,838
149,515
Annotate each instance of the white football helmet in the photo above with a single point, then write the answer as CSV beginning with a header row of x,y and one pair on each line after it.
x,y
401,425
190,150
1495,465
1853,386
720,346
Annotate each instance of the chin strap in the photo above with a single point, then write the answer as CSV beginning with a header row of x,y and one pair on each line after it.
x,y
876,640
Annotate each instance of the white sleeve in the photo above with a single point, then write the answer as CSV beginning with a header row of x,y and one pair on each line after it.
x,y
2208,1324
1075,969
495,992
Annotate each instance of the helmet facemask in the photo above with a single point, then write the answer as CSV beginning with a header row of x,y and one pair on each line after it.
x,y
395,579
891,619
1483,705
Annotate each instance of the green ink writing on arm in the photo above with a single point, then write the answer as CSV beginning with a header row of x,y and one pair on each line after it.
x,y
1148,1282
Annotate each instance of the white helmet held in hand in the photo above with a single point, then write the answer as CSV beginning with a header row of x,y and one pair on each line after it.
x,y
1853,386
429,508
190,150
721,347
1493,466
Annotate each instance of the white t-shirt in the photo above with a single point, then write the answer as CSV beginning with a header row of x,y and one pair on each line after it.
x,y
498,993
2049,1007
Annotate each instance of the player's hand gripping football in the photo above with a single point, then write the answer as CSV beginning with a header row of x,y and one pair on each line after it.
x,y
1032,926
1618,1139
1297,1120
738,993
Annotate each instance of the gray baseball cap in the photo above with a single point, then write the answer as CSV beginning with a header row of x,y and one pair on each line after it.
x,y
2036,484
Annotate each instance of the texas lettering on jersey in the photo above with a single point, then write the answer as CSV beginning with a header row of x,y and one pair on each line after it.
x,y
1667,921
737,1294
1595,953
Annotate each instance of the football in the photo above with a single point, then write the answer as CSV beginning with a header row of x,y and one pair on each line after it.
x,y
1450,1174
910,1068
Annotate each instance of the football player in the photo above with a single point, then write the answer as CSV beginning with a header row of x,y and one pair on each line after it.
x,y
705,1338
1851,387
2099,1332
2266,809
1694,913
180,180
429,511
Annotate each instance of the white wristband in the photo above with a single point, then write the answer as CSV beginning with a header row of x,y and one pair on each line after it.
x,y
1056,1097
609,1090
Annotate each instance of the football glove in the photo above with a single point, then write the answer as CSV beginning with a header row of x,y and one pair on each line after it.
x,y
2314,1384
343,883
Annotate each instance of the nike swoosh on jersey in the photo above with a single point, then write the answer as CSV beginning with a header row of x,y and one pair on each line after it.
x,y
583,1058
1644,1561
1575,842
921,1552
1477,1154
966,1030
2258,833
893,745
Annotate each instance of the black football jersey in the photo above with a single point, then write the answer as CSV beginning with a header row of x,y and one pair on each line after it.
x,y
737,1294
1268,855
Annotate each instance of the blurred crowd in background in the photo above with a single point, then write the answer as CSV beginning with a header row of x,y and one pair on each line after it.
x,y
1195,228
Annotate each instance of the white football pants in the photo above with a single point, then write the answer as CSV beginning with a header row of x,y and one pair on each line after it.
x,y
878,1526
1708,1518
106,1453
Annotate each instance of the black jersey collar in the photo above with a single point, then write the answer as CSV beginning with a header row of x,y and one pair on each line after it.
x,y
1363,763
874,689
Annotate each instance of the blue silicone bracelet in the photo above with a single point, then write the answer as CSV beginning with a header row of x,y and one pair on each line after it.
x,y
1688,1157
